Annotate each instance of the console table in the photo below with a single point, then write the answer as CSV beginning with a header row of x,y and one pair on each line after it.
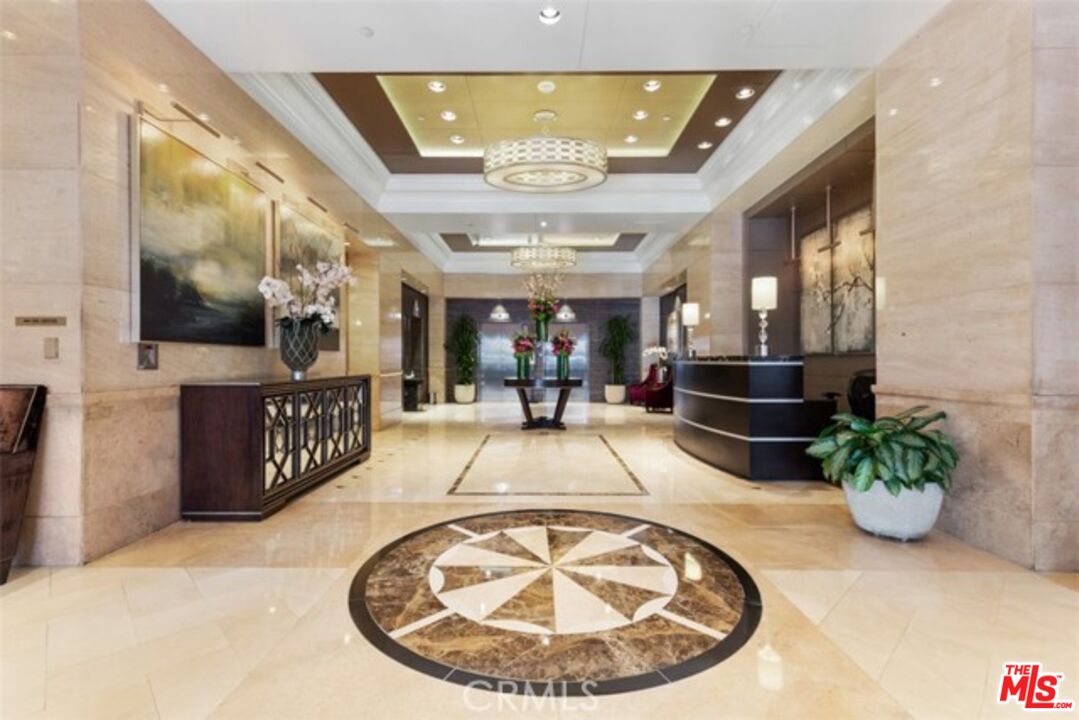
x,y
748,416
248,447
565,387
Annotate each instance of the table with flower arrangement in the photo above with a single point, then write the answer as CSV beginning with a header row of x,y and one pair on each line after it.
x,y
523,385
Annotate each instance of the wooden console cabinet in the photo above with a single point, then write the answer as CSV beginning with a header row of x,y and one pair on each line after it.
x,y
248,447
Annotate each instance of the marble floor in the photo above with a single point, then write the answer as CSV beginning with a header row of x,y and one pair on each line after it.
x,y
253,620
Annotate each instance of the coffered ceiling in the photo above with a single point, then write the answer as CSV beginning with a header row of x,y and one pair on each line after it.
x,y
671,127
582,242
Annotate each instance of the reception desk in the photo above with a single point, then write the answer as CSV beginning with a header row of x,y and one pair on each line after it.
x,y
748,416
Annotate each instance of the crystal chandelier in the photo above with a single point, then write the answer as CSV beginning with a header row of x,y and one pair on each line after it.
x,y
543,257
545,164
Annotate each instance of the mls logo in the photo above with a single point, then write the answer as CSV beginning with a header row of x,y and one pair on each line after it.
x,y
1031,688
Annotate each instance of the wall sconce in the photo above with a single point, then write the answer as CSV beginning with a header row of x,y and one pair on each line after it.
x,y
499,313
565,314
763,298
691,318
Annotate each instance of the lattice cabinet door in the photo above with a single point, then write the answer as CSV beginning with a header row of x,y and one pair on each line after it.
x,y
336,421
279,440
311,410
356,397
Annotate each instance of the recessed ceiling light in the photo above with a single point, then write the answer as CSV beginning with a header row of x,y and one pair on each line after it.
x,y
457,139
448,115
723,121
652,85
745,93
436,86
421,118
631,139
543,223
893,112
546,86
204,117
544,116
162,87
640,114
549,15
935,82
8,35
666,118
704,145
378,242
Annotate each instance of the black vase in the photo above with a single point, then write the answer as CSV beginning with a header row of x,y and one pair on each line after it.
x,y
299,346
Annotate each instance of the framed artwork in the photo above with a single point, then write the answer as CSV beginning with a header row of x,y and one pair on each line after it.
x,y
301,241
853,265
816,305
837,303
201,246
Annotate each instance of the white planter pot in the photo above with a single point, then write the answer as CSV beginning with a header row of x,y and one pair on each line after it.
x,y
614,394
464,394
907,516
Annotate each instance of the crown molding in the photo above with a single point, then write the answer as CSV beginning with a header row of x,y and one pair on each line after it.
x,y
305,109
794,101
498,263
433,246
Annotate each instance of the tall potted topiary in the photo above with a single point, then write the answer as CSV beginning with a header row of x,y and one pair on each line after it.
x,y
894,471
463,340
618,334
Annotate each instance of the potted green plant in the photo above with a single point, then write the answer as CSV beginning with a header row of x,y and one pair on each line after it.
x,y
894,471
463,340
618,334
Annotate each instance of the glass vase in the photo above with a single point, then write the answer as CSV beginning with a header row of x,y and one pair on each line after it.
x,y
541,329
563,367
524,366
299,346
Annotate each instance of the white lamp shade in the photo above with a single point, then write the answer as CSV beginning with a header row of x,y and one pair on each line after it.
x,y
500,314
691,314
764,292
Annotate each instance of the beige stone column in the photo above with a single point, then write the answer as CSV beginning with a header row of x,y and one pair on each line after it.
x,y
976,247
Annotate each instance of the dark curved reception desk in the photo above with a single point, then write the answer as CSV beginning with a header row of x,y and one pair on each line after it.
x,y
748,416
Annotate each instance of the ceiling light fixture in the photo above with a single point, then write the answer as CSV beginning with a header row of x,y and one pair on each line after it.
x,y
652,85
543,223
631,139
704,145
457,139
640,115
448,115
162,87
544,116
546,86
723,121
543,257
550,15
745,93
8,35
436,86
545,164
565,313
935,82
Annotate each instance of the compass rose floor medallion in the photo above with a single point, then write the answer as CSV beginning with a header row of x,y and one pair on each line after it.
x,y
555,601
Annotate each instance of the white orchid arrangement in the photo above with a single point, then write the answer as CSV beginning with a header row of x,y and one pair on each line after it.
x,y
315,301
656,351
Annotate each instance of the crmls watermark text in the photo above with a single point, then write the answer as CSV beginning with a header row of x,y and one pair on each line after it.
x,y
522,696
1031,687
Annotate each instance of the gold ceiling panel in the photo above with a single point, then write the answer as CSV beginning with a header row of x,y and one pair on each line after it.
x,y
490,108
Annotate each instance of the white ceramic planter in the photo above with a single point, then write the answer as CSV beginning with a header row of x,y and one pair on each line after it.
x,y
614,394
464,394
907,516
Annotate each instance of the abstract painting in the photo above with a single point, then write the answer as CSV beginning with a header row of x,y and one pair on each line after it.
x,y
816,305
304,242
852,272
202,247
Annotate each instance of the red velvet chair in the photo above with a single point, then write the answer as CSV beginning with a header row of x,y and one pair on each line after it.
x,y
636,391
660,395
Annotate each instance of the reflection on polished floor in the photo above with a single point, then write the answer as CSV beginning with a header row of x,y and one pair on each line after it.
x,y
253,620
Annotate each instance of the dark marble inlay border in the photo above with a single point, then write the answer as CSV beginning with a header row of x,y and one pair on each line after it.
x,y
738,636
641,489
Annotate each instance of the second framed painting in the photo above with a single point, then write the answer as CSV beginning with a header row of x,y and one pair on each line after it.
x,y
301,241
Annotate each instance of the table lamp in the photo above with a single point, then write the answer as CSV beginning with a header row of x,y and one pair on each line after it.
x,y
691,318
763,299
